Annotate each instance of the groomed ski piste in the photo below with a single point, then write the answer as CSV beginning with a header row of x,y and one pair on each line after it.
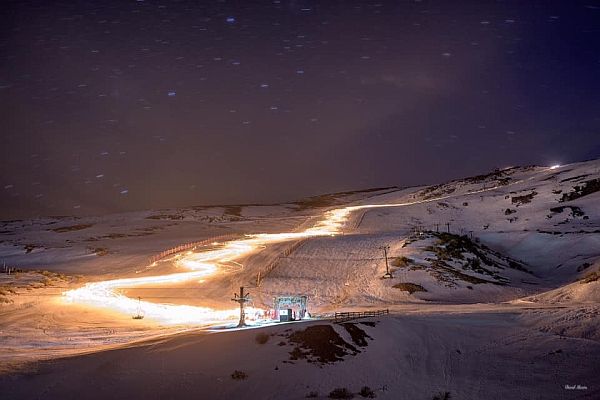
x,y
492,273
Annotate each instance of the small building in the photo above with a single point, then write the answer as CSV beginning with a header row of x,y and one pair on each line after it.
x,y
290,308
286,315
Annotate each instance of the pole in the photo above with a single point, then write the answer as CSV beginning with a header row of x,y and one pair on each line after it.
x,y
242,313
241,299
387,267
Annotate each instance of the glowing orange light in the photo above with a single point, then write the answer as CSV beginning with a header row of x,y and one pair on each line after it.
x,y
204,264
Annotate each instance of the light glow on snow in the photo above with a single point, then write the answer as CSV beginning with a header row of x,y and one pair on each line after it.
x,y
200,265
204,264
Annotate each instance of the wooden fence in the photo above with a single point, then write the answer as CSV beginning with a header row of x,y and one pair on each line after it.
x,y
11,270
347,316
359,220
285,253
188,246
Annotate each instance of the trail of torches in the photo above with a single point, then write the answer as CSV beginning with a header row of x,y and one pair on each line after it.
x,y
201,265
204,264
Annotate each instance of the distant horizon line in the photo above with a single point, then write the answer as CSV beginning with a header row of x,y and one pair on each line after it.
x,y
292,202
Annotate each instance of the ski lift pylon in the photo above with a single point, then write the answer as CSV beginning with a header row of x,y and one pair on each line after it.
x,y
140,313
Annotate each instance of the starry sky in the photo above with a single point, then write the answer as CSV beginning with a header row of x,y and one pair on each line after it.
x,y
108,106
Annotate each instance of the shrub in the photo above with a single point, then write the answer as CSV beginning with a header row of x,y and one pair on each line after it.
x,y
100,251
239,375
401,262
591,277
526,198
341,393
442,396
583,266
79,227
367,392
409,287
262,338
586,188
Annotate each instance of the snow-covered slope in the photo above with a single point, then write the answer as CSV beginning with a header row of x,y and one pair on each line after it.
x,y
468,356
123,242
525,239
516,232
535,229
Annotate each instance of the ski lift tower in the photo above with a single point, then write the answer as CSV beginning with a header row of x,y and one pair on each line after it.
x,y
242,299
387,274
140,313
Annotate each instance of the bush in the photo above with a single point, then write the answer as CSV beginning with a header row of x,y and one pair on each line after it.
x,y
239,375
583,266
526,198
401,262
442,396
367,392
100,251
591,277
409,287
262,338
312,395
588,187
341,393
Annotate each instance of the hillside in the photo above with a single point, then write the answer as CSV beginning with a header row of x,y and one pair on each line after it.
x,y
525,241
492,237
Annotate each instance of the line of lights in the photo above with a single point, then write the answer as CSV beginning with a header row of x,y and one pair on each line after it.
x,y
204,264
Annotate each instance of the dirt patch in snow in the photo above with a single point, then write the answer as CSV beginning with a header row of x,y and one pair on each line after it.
x,y
524,199
71,228
320,343
591,277
586,188
369,323
409,287
359,337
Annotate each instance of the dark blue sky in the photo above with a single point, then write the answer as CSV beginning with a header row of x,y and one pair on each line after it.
x,y
117,105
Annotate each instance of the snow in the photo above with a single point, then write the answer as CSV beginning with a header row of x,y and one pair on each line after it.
x,y
528,318
413,356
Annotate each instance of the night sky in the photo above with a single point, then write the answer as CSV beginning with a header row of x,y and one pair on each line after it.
x,y
109,106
